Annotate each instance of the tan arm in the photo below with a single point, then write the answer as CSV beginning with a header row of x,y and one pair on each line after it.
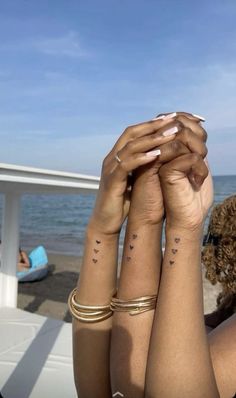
x,y
91,342
179,362
140,275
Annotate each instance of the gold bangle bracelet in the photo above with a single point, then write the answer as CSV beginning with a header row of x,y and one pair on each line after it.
x,y
83,307
134,306
135,300
86,307
131,304
89,318
88,313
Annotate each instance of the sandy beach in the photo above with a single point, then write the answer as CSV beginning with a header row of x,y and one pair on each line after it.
x,y
49,296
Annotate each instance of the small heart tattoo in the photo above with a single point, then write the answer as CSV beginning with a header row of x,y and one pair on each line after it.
x,y
98,242
96,251
135,236
131,247
128,258
95,261
174,251
171,262
177,240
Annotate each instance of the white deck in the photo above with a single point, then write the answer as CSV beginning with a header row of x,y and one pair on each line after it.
x,y
35,356
35,352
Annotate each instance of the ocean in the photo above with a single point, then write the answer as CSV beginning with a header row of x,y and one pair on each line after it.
x,y
58,222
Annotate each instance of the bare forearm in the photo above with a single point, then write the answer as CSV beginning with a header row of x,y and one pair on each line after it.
x,y
179,361
91,342
140,274
141,260
98,275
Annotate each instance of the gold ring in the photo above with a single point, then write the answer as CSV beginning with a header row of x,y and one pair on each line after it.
x,y
117,158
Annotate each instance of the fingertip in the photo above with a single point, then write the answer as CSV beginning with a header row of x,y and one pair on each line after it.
x,y
199,117
165,116
153,154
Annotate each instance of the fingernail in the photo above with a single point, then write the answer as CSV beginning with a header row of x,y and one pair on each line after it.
x,y
171,131
154,153
166,117
159,117
170,116
199,117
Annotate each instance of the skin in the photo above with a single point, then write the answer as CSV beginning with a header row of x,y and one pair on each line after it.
x,y
205,363
222,342
141,263
179,349
23,261
97,283
131,335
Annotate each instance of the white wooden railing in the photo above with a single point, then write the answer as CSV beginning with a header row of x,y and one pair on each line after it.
x,y
14,182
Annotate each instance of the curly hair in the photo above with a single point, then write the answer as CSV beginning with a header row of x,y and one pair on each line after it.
x,y
219,253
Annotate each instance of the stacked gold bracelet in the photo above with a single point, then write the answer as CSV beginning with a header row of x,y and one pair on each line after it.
x,y
96,313
134,306
88,313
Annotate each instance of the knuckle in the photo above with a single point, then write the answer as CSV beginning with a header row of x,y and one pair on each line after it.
x,y
180,118
183,119
196,157
105,162
129,146
129,131
187,134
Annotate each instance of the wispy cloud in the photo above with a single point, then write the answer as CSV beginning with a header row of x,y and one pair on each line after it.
x,y
67,45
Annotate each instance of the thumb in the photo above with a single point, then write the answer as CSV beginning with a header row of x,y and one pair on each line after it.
x,y
190,166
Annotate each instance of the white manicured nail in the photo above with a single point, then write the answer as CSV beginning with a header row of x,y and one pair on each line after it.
x,y
161,117
171,131
170,116
154,153
166,117
200,117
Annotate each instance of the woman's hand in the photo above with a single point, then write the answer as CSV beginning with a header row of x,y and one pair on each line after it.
x,y
134,148
187,190
147,201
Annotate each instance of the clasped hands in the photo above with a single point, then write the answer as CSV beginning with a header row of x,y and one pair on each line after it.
x,y
156,168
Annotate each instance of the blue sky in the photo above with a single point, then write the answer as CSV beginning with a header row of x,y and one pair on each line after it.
x,y
74,74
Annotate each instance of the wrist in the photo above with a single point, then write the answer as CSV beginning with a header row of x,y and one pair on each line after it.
x,y
145,219
187,234
136,224
95,231
185,223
